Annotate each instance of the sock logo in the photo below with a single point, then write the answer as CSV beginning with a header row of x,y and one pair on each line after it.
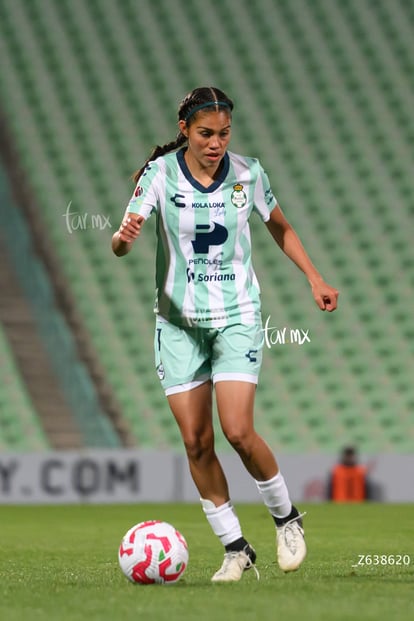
x,y
205,238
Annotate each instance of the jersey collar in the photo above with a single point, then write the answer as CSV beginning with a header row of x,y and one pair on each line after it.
x,y
196,184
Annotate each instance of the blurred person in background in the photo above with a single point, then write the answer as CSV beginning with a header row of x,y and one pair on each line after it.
x,y
348,481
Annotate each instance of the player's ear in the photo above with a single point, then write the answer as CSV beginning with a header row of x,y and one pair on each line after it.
x,y
183,127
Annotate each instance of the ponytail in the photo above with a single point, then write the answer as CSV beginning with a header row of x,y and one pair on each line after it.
x,y
157,152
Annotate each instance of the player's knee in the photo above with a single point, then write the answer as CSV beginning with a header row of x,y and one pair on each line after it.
x,y
240,439
198,448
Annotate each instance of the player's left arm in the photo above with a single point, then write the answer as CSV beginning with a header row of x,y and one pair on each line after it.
x,y
287,239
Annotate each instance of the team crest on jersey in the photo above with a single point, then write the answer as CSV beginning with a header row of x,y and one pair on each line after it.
x,y
238,196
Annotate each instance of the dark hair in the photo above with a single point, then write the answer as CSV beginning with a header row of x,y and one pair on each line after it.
x,y
198,99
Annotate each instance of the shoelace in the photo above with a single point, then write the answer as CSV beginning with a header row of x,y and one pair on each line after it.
x,y
229,556
288,533
251,565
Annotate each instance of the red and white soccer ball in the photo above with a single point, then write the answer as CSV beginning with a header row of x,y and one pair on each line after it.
x,y
153,552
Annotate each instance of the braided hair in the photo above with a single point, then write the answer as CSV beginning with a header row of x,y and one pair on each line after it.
x,y
200,98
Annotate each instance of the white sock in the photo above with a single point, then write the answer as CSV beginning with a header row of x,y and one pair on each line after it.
x,y
223,520
275,496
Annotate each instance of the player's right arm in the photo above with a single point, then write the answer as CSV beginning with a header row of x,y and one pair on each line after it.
x,y
142,204
127,233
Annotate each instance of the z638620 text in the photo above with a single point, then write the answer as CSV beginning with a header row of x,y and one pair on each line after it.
x,y
366,560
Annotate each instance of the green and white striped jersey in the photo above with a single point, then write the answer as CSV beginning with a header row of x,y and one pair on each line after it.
x,y
204,272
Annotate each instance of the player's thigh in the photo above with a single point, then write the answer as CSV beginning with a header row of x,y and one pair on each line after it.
x,y
192,410
235,406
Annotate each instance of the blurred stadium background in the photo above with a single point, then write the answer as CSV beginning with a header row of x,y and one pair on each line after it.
x,y
324,96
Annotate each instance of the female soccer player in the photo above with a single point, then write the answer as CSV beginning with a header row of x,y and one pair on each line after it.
x,y
208,318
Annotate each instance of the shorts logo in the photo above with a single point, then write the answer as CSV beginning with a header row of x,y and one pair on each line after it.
x,y
160,371
250,355
205,238
238,196
174,200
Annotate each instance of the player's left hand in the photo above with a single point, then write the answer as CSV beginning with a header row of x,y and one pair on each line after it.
x,y
326,297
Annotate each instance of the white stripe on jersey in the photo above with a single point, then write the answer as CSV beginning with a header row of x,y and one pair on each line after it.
x,y
189,294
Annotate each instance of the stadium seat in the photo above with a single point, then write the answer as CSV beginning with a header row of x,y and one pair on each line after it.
x,y
324,97
19,425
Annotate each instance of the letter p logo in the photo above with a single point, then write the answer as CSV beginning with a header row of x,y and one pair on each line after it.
x,y
205,238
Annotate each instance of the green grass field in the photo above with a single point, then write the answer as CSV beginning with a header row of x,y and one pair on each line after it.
x,y
60,563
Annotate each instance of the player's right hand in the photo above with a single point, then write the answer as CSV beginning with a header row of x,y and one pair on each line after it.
x,y
130,228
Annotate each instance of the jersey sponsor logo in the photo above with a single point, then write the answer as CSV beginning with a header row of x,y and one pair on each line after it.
x,y
216,277
206,261
238,196
208,205
174,199
201,277
205,238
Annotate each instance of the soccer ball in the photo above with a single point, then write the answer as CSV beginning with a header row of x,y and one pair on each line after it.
x,y
153,552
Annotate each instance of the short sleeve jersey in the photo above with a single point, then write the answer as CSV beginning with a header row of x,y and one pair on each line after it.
x,y
204,272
